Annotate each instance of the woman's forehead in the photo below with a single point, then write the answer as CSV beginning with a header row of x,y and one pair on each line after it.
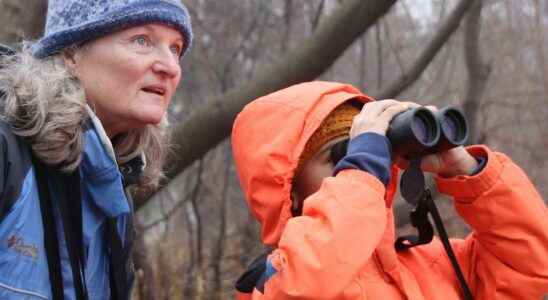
x,y
156,28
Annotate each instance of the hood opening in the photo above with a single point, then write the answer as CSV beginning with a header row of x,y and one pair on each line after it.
x,y
268,137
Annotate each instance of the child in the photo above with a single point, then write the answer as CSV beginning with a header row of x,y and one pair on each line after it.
x,y
330,222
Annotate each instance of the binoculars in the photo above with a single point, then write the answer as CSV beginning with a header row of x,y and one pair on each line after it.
x,y
420,131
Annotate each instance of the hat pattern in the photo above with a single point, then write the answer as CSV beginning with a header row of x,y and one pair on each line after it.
x,y
73,21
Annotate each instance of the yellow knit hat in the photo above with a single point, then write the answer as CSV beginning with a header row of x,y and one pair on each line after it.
x,y
337,124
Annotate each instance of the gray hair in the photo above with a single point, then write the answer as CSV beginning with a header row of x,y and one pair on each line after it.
x,y
46,106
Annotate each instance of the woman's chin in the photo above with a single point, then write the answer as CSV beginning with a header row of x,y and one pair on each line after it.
x,y
152,119
151,116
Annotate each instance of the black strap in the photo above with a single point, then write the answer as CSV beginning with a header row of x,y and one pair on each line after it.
x,y
419,220
70,206
448,249
413,192
51,242
117,274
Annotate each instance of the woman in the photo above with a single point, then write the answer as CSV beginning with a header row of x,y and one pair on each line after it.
x,y
84,117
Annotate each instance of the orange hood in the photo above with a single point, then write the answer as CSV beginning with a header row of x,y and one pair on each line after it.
x,y
268,138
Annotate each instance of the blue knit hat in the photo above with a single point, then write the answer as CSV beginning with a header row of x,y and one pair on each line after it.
x,y
72,22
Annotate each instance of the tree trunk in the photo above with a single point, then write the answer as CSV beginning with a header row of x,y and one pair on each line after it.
x,y
21,19
478,71
218,251
143,269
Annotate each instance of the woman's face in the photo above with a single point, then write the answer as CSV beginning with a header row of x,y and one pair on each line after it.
x,y
130,76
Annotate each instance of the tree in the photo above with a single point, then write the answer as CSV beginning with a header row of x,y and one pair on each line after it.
x,y
478,71
21,19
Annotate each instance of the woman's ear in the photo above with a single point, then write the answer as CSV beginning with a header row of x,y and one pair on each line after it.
x,y
70,59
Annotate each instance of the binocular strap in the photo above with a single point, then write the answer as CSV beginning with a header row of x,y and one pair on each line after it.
x,y
424,205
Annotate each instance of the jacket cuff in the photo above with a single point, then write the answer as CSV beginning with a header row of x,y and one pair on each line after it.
x,y
465,188
368,152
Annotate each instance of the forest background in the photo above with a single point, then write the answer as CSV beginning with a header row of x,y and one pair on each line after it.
x,y
195,235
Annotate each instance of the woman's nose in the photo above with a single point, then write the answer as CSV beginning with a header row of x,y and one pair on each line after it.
x,y
167,64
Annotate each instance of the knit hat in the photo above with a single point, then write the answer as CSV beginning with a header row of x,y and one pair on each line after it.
x,y
337,124
72,22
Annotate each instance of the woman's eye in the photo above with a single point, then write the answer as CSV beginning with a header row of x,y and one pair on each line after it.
x,y
176,50
141,41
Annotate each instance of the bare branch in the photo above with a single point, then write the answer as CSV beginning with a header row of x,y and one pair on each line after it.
x,y
288,12
380,65
428,54
392,47
317,15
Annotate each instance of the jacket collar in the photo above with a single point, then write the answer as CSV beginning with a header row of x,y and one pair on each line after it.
x,y
101,133
132,170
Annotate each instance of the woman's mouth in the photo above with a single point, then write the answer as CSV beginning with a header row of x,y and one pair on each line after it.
x,y
157,90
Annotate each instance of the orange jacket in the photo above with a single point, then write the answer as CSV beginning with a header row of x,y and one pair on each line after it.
x,y
342,247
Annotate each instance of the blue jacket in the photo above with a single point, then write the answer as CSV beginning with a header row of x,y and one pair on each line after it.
x,y
23,263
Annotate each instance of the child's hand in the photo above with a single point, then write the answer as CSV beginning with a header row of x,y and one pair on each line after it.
x,y
453,162
375,116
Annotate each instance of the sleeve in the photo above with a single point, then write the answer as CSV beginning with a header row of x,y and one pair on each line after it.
x,y
369,152
321,252
506,256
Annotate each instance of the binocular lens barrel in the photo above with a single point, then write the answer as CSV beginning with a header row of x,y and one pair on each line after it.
x,y
419,131
454,128
412,131
420,128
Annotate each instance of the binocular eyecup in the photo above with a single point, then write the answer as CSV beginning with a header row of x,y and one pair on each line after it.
x,y
420,131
